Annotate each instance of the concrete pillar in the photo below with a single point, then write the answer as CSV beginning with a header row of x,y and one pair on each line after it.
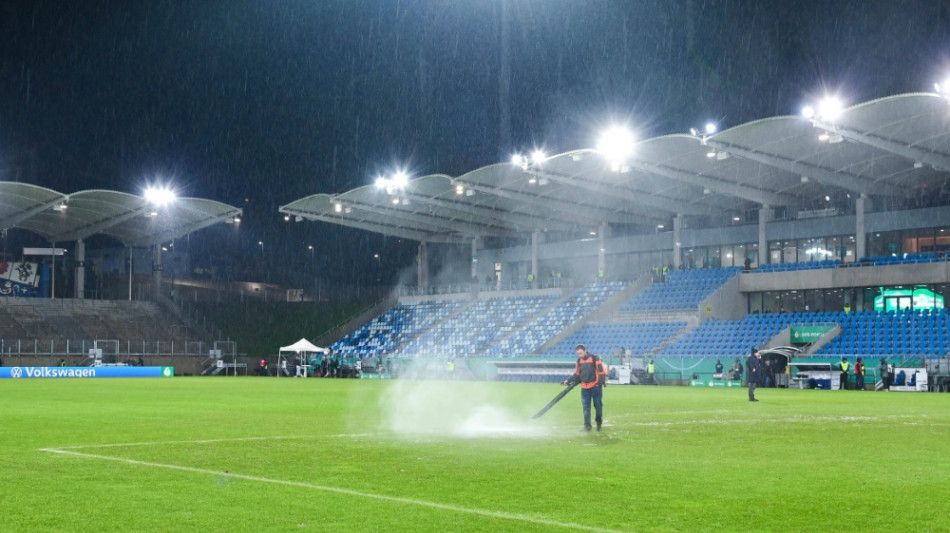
x,y
677,244
765,213
422,268
474,257
80,283
52,285
860,236
602,252
534,258
157,270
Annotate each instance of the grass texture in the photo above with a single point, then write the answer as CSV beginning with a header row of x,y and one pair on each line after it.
x,y
268,454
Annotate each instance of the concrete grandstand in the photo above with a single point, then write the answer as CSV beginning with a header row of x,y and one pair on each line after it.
x,y
835,221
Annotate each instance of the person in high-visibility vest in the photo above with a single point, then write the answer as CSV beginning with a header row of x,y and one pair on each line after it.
x,y
651,372
844,366
591,372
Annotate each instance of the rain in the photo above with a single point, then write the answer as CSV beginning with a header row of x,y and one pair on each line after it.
x,y
257,103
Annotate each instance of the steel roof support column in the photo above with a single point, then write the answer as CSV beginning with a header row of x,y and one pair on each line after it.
x,y
80,279
602,252
157,271
860,237
422,268
677,243
474,257
535,235
765,213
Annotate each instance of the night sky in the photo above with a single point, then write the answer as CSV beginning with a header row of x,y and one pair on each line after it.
x,y
257,103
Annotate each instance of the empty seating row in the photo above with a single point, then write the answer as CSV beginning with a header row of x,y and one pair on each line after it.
x,y
476,327
549,324
683,289
384,333
604,339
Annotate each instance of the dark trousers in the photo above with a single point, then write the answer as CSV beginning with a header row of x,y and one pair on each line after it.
x,y
859,382
595,394
752,386
843,381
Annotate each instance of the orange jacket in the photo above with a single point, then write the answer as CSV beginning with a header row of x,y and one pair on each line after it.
x,y
590,371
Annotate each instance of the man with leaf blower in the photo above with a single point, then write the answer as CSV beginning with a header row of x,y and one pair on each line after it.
x,y
591,372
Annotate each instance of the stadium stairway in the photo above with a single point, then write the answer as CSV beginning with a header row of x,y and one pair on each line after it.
x,y
501,342
600,314
60,319
560,315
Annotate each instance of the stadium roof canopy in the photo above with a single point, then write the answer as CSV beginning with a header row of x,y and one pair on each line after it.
x,y
891,147
131,219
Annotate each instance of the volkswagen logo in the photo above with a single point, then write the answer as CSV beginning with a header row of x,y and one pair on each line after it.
x,y
16,372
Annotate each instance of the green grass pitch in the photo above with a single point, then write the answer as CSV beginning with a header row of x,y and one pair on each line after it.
x,y
256,454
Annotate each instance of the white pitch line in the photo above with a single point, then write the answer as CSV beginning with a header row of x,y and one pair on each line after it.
x,y
214,441
337,490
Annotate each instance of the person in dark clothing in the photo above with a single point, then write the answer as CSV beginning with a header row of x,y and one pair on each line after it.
x,y
737,369
718,367
591,372
886,376
755,373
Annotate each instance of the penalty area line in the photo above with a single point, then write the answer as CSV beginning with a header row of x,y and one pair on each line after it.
x,y
337,490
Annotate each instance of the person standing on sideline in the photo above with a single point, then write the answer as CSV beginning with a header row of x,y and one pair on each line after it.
x,y
859,374
843,380
885,375
651,372
719,367
591,373
755,373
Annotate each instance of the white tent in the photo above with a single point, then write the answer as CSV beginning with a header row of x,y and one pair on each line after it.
x,y
303,346
300,347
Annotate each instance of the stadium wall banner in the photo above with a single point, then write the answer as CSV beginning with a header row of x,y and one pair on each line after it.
x,y
806,334
85,372
18,279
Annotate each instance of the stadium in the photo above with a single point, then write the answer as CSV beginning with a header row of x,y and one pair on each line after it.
x,y
812,238
474,266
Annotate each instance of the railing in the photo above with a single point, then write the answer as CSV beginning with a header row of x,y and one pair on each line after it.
x,y
14,347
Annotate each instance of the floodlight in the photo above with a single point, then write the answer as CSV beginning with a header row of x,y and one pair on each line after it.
x,y
830,108
710,128
616,144
159,196
538,157
337,207
459,189
693,132
396,201
381,182
808,111
399,180
517,160
286,218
